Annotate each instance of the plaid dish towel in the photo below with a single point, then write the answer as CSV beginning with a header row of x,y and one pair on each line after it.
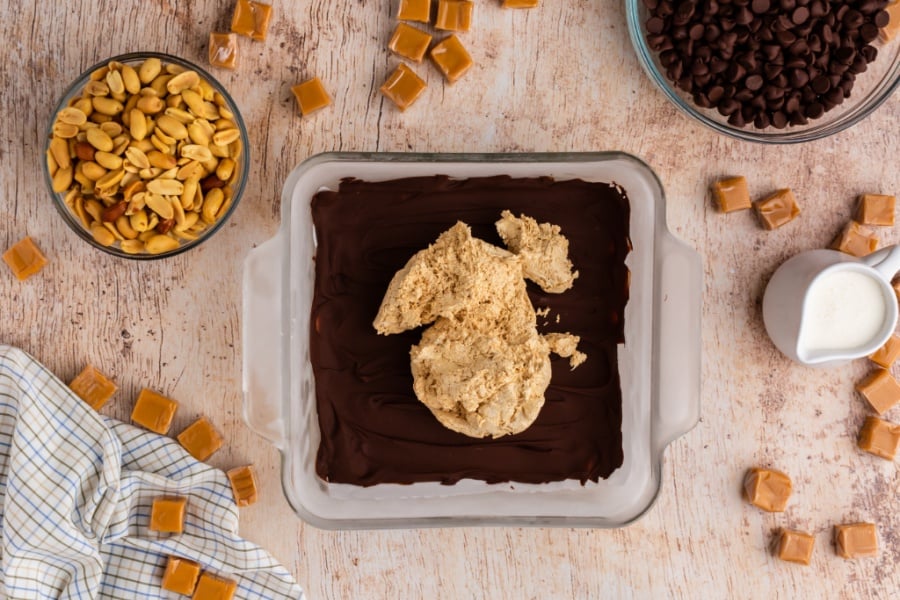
x,y
75,495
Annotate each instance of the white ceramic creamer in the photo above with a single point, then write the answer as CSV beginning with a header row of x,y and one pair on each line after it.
x,y
824,307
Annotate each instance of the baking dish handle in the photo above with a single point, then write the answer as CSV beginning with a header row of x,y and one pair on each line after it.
x,y
263,341
679,340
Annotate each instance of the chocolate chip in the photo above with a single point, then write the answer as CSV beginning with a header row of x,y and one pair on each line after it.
x,y
881,18
760,6
656,25
800,15
754,82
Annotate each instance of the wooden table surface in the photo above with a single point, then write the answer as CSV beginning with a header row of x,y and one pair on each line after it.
x,y
562,77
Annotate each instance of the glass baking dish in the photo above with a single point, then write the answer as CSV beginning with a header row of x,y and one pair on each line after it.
x,y
659,363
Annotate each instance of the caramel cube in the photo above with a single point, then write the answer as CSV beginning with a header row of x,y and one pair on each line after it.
x,y
154,411
24,258
520,3
223,50
777,209
856,540
451,58
409,42
890,31
454,15
732,194
795,546
879,437
876,209
767,489
167,514
403,87
93,387
881,390
180,576
887,354
251,19
243,485
201,439
415,10
855,240
311,96
211,587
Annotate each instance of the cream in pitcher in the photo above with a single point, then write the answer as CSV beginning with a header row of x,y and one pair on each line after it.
x,y
824,307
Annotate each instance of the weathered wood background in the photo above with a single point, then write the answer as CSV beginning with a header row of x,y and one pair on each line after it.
x,y
562,77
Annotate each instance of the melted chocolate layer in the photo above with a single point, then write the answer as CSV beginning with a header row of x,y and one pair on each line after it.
x,y
374,430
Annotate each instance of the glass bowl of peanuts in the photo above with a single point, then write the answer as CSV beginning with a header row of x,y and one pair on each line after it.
x,y
146,156
770,71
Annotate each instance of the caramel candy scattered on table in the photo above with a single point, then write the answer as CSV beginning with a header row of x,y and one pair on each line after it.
x,y
180,576
415,10
887,354
93,387
732,194
24,258
795,546
451,58
876,209
854,240
251,19
777,209
454,15
403,87
520,3
167,514
223,50
243,485
856,540
881,390
879,437
409,42
311,96
211,587
201,439
767,489
154,411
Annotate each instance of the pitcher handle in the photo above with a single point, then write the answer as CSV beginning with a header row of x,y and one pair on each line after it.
x,y
886,261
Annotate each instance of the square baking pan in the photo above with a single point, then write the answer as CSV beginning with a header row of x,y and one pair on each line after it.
x,y
659,363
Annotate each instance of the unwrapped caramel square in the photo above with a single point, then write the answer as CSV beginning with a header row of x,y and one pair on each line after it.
x,y
24,258
211,587
732,194
451,58
879,437
777,209
167,514
180,576
243,485
223,51
881,390
311,96
855,240
856,540
887,354
415,10
154,411
767,489
520,3
409,42
93,387
876,209
795,546
201,439
251,19
403,87
454,15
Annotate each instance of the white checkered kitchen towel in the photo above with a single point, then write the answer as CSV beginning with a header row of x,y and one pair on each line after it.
x,y
75,495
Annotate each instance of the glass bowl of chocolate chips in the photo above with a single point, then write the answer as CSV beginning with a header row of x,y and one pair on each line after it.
x,y
775,71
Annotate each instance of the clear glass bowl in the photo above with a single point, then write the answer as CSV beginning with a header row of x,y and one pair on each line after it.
x,y
870,90
242,160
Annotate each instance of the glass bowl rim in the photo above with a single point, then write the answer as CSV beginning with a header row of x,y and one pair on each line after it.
x,y
243,161
865,106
